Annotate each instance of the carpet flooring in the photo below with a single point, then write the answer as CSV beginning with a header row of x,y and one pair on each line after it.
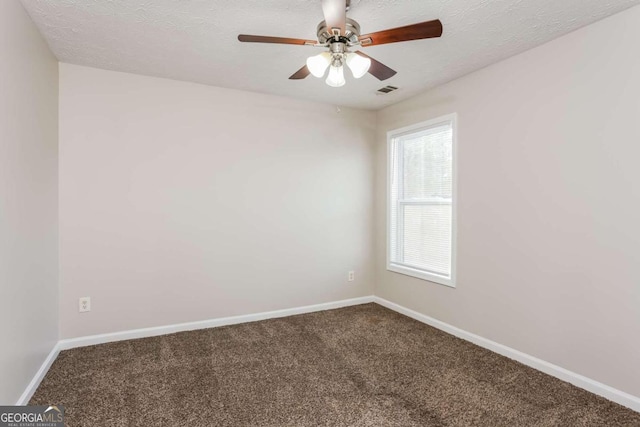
x,y
357,366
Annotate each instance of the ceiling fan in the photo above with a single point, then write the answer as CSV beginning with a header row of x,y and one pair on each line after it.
x,y
339,34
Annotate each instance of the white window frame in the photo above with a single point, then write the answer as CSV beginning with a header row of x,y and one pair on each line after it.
x,y
406,269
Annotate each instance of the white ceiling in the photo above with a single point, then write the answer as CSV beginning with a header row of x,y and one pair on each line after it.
x,y
195,40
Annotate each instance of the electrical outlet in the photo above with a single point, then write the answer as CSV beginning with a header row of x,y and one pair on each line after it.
x,y
352,276
84,304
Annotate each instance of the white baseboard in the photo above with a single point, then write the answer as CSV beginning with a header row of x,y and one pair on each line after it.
x,y
595,387
205,324
37,379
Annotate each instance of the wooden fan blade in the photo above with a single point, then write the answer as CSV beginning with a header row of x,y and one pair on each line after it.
x,y
300,74
378,69
280,40
335,14
423,30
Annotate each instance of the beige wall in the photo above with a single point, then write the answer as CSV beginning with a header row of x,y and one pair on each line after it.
x,y
549,202
28,201
181,202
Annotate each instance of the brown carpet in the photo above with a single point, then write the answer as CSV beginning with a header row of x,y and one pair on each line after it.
x,y
357,366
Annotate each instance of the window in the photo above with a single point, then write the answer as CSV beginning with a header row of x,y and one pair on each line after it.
x,y
421,227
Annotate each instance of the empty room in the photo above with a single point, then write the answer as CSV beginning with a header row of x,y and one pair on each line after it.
x,y
319,213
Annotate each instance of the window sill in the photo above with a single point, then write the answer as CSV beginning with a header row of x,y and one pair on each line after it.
x,y
421,274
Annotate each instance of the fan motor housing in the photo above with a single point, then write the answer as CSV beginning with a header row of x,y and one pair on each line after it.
x,y
352,32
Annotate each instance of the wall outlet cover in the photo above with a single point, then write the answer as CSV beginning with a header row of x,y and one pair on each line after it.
x,y
84,304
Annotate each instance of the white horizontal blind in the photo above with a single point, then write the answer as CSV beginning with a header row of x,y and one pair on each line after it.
x,y
421,199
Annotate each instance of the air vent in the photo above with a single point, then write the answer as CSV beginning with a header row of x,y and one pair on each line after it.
x,y
387,89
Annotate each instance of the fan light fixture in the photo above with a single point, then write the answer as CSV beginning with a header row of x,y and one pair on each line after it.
x,y
318,64
336,76
359,65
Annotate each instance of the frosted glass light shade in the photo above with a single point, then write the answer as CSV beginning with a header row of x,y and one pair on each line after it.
x,y
359,65
318,64
336,77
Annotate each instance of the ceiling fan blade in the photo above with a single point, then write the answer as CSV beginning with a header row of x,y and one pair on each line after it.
x,y
280,40
300,74
423,30
378,69
335,14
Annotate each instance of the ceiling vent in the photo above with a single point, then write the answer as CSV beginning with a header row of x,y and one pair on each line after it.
x,y
385,90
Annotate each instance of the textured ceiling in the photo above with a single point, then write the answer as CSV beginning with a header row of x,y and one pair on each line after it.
x,y
195,40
